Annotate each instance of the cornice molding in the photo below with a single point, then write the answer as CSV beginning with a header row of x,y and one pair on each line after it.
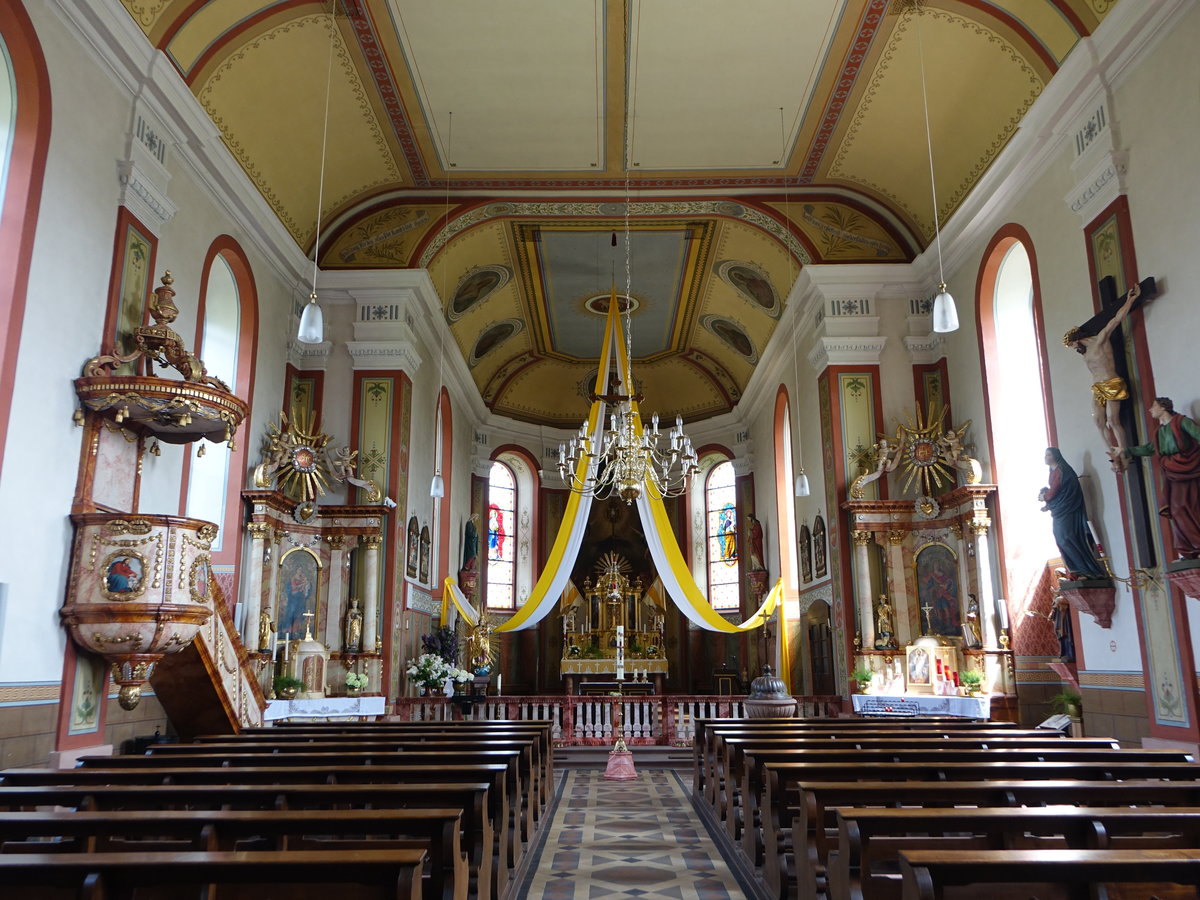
x,y
845,351
384,355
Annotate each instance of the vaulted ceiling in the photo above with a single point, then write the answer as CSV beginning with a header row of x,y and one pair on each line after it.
x,y
533,154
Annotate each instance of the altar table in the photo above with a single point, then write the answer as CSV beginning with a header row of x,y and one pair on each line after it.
x,y
922,705
324,708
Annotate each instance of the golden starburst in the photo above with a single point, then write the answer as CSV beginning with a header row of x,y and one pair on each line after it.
x,y
299,453
922,455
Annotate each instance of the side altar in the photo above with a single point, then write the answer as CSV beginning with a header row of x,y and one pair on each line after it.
x,y
613,630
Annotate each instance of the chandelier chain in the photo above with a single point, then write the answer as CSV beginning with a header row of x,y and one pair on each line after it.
x,y
937,227
324,142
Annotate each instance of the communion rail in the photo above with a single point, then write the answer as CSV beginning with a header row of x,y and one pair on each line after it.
x,y
588,721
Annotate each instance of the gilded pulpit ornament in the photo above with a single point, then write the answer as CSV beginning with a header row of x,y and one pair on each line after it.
x,y
201,406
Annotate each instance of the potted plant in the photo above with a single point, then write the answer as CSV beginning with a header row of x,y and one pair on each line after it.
x,y
972,680
286,686
1067,701
862,677
355,682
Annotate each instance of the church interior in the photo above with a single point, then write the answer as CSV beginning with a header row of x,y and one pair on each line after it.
x,y
470,361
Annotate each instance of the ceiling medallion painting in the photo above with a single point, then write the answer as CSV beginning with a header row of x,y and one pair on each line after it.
x,y
475,287
751,282
492,337
732,335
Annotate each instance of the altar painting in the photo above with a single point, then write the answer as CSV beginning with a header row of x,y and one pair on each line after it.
x,y
299,581
936,576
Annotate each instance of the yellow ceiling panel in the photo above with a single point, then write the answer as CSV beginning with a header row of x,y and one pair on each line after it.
x,y
268,99
883,149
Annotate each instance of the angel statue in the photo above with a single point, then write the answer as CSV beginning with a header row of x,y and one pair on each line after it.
x,y
887,457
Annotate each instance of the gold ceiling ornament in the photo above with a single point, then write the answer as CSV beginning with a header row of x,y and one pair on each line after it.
x,y
927,455
200,407
298,462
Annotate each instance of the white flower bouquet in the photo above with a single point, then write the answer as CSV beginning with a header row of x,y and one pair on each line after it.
x,y
429,671
356,681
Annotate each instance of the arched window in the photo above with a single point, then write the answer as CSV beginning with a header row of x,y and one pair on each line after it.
x,y
501,537
721,516
24,141
1018,416
208,479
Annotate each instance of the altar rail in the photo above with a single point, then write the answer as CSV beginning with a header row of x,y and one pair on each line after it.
x,y
588,721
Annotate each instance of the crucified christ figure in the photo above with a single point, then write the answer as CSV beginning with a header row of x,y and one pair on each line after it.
x,y
1108,388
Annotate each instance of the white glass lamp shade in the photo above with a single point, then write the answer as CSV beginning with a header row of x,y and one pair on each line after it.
x,y
437,488
312,323
945,314
802,488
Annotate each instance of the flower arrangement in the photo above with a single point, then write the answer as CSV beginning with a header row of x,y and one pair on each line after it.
x,y
356,681
429,671
442,642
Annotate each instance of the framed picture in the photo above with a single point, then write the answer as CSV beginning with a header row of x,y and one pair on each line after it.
x,y
806,553
299,581
918,664
818,536
935,573
423,577
414,539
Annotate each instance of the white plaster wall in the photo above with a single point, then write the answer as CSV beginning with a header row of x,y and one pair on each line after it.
x,y
63,328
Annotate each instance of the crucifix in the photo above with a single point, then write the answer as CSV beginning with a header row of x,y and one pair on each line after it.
x,y
927,609
308,617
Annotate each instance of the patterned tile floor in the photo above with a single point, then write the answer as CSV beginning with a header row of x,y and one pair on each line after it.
x,y
639,838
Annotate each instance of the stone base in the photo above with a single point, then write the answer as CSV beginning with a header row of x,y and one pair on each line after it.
x,y
620,766
1095,596
1185,575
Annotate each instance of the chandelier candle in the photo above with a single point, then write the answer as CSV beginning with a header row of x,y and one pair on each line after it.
x,y
620,653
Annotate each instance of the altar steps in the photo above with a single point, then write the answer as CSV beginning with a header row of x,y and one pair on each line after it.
x,y
648,756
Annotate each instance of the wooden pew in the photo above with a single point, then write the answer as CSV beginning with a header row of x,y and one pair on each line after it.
x,y
541,732
298,875
866,864
470,800
758,761
781,796
495,775
706,729
532,766
733,774
515,763
436,831
935,874
803,851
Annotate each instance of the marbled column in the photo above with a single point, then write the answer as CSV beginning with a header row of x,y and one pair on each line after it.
x,y
862,587
898,588
371,544
338,588
259,533
987,599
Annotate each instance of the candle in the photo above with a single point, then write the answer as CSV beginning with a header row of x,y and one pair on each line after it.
x,y
499,685
287,641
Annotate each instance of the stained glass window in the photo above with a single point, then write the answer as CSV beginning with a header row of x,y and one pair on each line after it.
x,y
501,537
722,519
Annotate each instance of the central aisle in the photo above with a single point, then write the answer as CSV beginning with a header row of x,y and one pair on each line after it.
x,y
627,839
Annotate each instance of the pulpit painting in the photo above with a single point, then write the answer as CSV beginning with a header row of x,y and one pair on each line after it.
x,y
87,693
918,667
299,579
123,575
936,572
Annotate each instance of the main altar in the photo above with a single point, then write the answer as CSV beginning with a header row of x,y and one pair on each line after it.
x,y
613,630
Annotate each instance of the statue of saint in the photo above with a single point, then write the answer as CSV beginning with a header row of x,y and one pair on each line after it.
x,y
755,538
973,635
885,637
1176,446
1063,499
1108,388
352,636
479,647
265,627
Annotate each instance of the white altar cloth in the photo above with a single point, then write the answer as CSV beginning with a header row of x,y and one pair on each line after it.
x,y
324,708
922,704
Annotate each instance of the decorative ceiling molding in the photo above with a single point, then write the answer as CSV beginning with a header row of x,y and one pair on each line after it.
x,y
845,351
400,355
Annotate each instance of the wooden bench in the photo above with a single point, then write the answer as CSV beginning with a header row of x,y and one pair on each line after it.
x,y
298,875
476,839
1001,874
516,773
757,761
541,733
733,775
865,865
436,831
494,775
706,730
801,852
531,773
781,795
